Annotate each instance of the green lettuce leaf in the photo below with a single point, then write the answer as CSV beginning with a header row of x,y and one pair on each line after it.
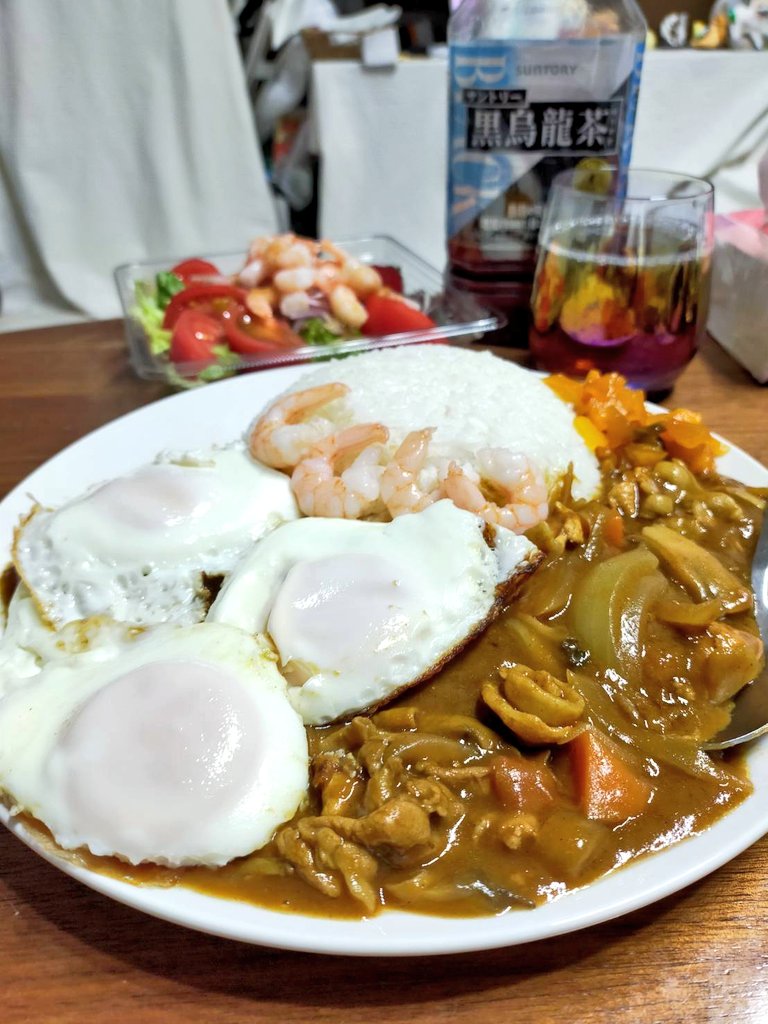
x,y
150,316
317,332
166,286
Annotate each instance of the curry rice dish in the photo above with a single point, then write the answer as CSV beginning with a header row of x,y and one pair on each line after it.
x,y
555,745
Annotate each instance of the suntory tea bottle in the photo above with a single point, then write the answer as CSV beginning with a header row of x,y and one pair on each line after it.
x,y
536,87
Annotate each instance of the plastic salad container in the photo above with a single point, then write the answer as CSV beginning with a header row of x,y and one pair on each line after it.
x,y
457,315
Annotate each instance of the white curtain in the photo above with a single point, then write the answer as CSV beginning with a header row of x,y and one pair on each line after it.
x,y
125,133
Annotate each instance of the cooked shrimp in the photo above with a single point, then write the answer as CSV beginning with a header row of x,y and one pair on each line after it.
x,y
252,273
260,301
346,306
295,305
364,474
327,276
515,476
354,493
298,254
400,491
258,247
280,438
361,278
329,251
286,252
297,279
288,264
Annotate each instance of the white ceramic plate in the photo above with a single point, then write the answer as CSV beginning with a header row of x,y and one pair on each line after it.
x,y
219,413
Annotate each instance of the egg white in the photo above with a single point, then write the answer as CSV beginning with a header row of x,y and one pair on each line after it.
x,y
359,610
29,643
135,548
182,750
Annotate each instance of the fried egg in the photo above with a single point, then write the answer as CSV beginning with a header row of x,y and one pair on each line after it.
x,y
181,750
474,400
28,643
136,548
358,611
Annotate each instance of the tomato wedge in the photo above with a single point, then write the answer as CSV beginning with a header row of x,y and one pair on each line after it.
x,y
390,276
188,270
256,337
391,316
197,295
194,336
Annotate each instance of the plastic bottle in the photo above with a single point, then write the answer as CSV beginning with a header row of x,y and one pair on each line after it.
x,y
536,87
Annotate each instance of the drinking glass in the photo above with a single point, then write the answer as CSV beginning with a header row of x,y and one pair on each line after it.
x,y
622,274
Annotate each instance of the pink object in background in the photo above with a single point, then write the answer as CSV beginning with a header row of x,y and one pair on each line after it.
x,y
739,313
746,230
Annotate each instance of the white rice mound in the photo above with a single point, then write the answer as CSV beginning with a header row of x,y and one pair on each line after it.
x,y
473,399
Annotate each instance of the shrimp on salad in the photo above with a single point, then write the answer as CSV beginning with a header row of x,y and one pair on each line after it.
x,y
269,256
319,491
310,278
517,479
281,437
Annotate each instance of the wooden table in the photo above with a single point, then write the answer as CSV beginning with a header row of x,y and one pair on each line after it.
x,y
68,955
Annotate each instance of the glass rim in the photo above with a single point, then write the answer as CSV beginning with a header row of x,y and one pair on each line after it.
x,y
702,188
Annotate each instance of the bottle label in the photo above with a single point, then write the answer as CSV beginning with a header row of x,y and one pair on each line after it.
x,y
504,120
521,112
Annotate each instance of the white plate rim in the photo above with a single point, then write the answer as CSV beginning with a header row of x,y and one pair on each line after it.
x,y
217,414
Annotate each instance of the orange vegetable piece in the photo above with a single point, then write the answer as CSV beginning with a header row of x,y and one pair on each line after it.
x,y
564,387
613,406
686,438
613,530
606,400
592,437
608,788
609,414
522,785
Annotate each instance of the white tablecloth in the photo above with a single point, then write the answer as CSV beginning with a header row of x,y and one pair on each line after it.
x,y
382,138
126,133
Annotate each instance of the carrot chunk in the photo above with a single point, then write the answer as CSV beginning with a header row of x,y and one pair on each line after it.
x,y
522,785
608,788
613,530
